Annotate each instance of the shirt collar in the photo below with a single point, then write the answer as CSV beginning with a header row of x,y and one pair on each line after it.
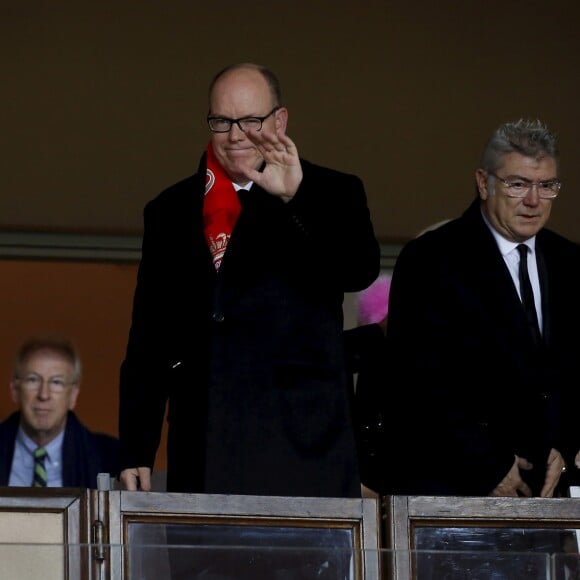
x,y
507,246
51,448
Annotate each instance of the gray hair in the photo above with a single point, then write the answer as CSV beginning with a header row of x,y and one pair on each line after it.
x,y
57,344
530,138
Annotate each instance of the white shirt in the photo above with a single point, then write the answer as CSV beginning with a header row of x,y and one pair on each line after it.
x,y
511,257
247,187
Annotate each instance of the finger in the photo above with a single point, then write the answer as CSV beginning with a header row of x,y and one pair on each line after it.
x,y
144,479
550,483
290,147
523,463
525,489
549,486
504,491
262,138
547,490
129,479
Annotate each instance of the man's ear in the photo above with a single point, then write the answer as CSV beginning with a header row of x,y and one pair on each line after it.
x,y
281,119
481,181
14,393
72,401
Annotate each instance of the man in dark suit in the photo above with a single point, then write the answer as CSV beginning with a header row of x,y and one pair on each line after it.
x,y
490,407
237,316
45,386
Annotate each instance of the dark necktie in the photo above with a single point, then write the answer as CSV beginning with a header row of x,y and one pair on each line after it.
x,y
528,293
40,478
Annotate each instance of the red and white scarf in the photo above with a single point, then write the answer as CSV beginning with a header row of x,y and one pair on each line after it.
x,y
221,208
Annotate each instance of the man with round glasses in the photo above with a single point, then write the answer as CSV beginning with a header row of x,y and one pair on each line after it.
x,y
485,335
45,385
237,316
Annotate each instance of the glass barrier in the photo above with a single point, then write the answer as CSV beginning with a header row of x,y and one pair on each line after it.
x,y
491,552
267,562
240,563
76,534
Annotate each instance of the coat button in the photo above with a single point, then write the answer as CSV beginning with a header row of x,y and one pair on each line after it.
x,y
218,317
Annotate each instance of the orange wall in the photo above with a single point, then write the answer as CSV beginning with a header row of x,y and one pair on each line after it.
x,y
90,303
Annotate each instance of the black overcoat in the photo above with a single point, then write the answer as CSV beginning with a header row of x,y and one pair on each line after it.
x,y
473,386
250,359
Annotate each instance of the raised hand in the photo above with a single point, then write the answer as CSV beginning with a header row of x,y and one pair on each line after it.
x,y
283,173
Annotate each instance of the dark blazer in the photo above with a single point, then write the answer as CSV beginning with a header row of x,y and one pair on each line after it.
x,y
84,454
475,388
251,358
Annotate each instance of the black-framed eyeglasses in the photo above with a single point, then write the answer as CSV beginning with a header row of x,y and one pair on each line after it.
x,y
224,124
520,187
32,382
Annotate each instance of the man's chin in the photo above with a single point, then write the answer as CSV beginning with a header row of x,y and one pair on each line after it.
x,y
242,158
237,172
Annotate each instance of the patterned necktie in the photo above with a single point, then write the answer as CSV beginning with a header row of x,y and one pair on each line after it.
x,y
528,293
40,478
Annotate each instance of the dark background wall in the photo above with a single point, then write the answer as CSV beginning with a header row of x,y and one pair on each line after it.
x,y
103,103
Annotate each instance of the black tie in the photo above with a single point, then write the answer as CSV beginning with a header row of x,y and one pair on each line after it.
x,y
528,293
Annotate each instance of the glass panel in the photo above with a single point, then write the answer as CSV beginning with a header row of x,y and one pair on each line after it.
x,y
567,566
240,552
468,565
509,552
